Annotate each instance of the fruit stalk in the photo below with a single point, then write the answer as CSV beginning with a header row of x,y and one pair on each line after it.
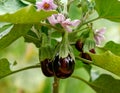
x,y
56,85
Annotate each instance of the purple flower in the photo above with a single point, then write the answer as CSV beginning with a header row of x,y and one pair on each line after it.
x,y
99,35
53,19
60,18
67,24
46,5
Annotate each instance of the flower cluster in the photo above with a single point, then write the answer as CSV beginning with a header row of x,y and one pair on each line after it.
x,y
67,24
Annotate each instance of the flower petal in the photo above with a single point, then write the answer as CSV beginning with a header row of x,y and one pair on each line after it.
x,y
60,18
101,31
67,22
53,6
39,5
98,40
46,5
52,20
68,28
75,22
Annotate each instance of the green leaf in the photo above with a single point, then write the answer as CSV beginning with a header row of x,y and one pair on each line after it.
x,y
45,52
10,6
106,84
113,47
107,61
26,15
103,84
31,1
31,37
74,9
17,31
108,9
88,45
4,67
5,27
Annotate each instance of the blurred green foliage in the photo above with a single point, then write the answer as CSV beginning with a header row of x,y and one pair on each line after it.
x,y
33,81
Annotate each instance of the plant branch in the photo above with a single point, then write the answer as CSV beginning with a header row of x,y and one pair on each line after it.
x,y
56,85
84,60
50,26
31,38
22,69
79,78
91,20
87,22
81,29
88,83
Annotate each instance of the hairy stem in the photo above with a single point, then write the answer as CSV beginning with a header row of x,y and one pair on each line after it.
x,y
56,85
84,60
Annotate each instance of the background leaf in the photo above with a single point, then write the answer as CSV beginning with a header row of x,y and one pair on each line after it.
x,y
108,9
107,61
10,6
113,47
30,1
74,9
17,31
26,15
4,67
106,84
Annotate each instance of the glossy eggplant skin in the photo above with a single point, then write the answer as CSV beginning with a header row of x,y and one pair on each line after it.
x,y
86,56
47,68
79,45
63,67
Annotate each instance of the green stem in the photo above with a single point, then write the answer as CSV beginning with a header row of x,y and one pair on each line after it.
x,y
91,20
88,22
81,29
35,31
31,38
84,60
79,78
22,69
50,26
56,85
88,83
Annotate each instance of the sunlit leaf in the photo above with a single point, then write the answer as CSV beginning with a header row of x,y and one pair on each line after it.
x,y
107,61
108,9
26,15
